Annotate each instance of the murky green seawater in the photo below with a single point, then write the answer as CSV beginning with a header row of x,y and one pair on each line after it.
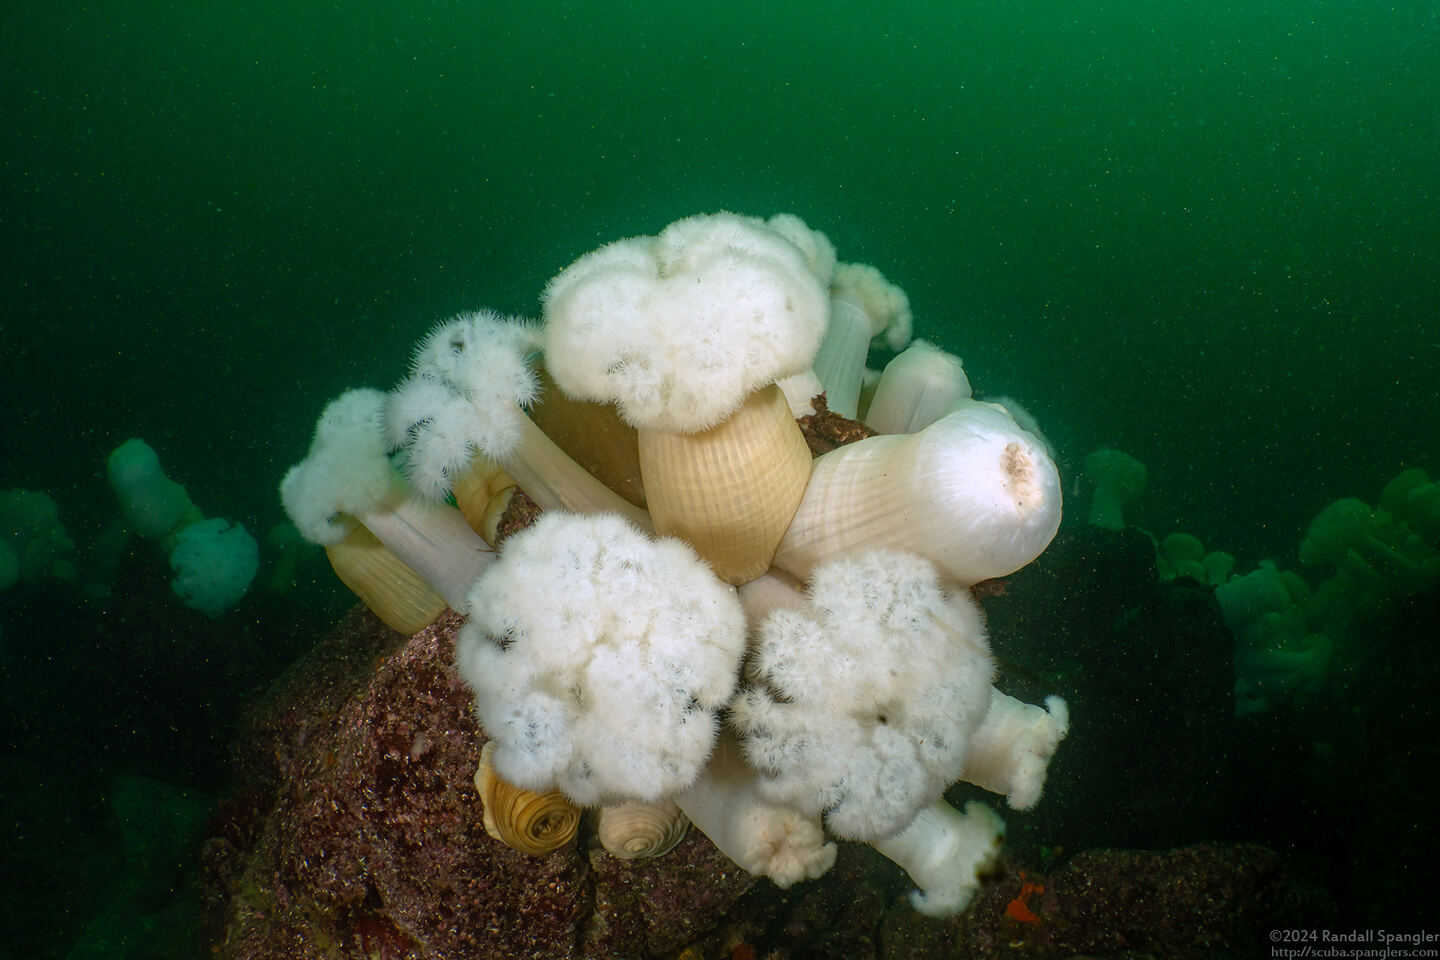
x,y
1204,232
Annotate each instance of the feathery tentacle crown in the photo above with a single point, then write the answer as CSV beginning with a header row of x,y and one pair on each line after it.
x,y
862,707
599,658
679,328
467,388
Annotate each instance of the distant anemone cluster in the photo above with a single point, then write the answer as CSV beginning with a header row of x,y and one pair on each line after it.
x,y
707,622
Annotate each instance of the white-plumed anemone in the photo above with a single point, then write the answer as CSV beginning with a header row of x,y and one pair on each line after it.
x,y
885,304
687,333
1025,419
818,250
214,562
862,708
972,492
599,658
346,479
917,388
678,329
152,503
346,472
1119,481
461,412
725,804
945,851
1010,752
468,384
864,306
800,391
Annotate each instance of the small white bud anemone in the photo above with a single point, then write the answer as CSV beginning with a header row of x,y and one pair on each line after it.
x,y
885,305
863,707
599,658
918,387
864,308
1010,752
945,851
766,839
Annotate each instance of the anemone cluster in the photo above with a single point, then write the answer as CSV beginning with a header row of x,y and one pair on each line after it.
x,y
214,560
1298,645
707,623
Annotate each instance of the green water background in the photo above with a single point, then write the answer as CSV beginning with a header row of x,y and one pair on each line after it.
x,y
1204,232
